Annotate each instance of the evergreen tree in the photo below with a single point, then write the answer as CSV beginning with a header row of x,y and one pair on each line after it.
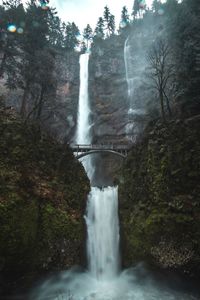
x,y
12,3
35,39
124,15
71,36
156,5
99,30
12,13
83,47
106,16
87,35
109,21
111,25
56,30
136,8
45,63
125,20
183,30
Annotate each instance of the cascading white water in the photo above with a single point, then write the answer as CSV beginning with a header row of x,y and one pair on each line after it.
x,y
135,64
102,208
103,280
83,135
129,79
83,127
103,233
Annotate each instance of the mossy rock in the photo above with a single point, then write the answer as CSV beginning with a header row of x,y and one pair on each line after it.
x,y
160,188
43,191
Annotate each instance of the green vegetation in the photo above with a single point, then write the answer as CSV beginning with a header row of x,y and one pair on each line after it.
x,y
43,190
159,196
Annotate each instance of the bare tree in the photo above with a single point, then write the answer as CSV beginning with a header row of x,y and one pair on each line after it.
x,y
161,72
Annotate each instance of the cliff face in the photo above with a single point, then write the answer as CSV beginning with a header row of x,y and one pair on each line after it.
x,y
159,197
63,119
43,191
60,108
108,90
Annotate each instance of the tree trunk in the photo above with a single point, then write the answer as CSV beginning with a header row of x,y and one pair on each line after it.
x,y
3,64
23,109
40,103
168,105
162,105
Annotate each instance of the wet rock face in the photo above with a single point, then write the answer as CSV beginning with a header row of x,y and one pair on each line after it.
x,y
43,192
159,197
108,98
60,108
63,120
108,90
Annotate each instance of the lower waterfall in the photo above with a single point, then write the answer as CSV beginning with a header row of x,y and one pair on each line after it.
x,y
102,221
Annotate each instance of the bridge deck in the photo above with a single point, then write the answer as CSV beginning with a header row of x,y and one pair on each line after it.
x,y
85,147
83,150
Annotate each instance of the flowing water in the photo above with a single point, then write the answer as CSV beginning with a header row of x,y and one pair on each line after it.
x,y
103,279
102,221
83,135
135,68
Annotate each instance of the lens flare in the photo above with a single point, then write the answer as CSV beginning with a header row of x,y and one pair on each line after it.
x,y
11,28
20,30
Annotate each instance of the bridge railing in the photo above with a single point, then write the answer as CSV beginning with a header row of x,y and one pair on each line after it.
x,y
99,146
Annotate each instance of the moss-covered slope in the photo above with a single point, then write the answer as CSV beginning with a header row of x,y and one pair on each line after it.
x,y
160,197
43,190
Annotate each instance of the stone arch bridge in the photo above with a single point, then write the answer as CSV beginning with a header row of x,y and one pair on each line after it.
x,y
84,150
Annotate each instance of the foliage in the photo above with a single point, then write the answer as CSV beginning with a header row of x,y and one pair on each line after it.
x,y
109,21
42,196
88,35
99,30
71,40
159,196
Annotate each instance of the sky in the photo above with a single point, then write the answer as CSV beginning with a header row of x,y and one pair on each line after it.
x,y
83,12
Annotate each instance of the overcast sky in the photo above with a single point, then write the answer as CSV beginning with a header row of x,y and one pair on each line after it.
x,y
83,12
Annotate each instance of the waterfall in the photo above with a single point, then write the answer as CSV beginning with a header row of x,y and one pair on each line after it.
x,y
102,206
129,79
103,232
103,279
83,127
133,81
83,135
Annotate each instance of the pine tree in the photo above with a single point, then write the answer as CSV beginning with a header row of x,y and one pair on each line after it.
x,y
106,16
99,30
10,40
124,15
71,36
35,39
87,35
83,47
124,19
56,31
156,5
109,21
111,25
136,8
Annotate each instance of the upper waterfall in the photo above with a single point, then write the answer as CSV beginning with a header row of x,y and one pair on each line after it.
x,y
83,127
83,134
